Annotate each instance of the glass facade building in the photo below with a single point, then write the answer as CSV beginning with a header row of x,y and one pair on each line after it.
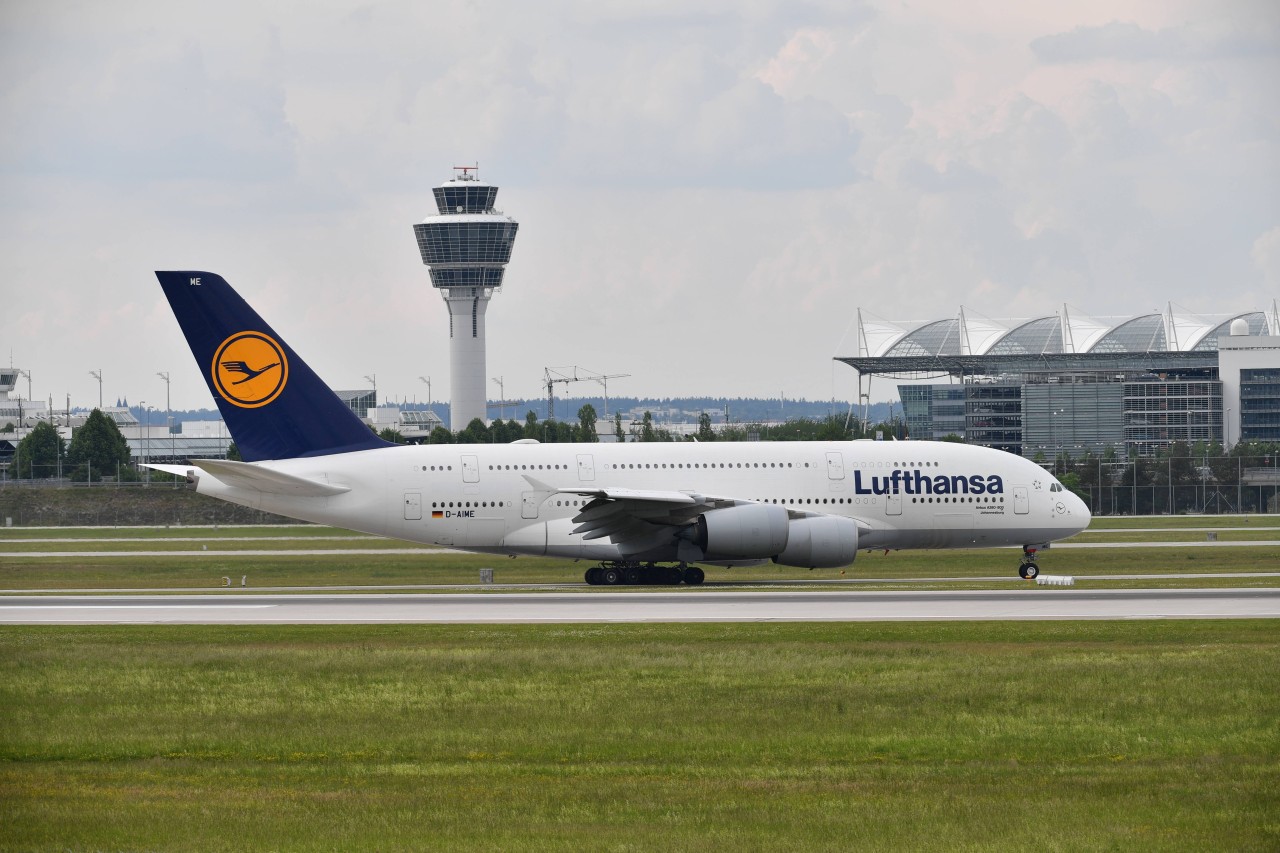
x,y
1158,412
993,415
1072,385
1260,404
1071,418
933,411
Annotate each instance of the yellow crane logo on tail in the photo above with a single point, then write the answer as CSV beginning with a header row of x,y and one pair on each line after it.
x,y
250,369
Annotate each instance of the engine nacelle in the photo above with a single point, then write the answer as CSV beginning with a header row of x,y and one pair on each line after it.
x,y
742,532
828,542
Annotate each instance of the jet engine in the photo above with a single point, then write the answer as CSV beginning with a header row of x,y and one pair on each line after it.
x,y
741,532
828,542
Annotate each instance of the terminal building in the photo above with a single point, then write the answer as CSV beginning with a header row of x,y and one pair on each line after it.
x,y
1070,384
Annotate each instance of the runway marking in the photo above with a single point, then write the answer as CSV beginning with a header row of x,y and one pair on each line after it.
x,y
1195,544
228,606
156,540
247,552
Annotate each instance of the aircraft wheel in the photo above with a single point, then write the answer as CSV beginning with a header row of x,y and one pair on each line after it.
x,y
694,576
592,576
1033,572
635,575
672,576
611,576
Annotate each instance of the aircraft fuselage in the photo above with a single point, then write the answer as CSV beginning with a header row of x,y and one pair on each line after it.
x,y
498,498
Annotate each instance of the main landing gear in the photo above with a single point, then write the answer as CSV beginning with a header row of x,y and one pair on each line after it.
x,y
1028,570
618,572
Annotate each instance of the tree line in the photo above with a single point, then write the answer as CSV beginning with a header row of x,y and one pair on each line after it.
x,y
585,429
97,449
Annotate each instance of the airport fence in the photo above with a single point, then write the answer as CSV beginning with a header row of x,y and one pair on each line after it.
x,y
1175,485
60,502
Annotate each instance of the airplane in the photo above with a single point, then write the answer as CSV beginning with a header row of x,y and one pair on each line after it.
x,y
643,512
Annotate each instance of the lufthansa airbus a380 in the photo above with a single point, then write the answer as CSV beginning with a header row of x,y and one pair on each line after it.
x,y
647,512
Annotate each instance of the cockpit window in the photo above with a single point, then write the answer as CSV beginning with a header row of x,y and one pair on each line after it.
x,y
1055,487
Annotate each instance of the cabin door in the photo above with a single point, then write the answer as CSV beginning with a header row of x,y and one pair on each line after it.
x,y
835,466
1020,502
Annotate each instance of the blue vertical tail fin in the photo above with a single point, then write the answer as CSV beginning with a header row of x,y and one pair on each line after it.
x,y
275,406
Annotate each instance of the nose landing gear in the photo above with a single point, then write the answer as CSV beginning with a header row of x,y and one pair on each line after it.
x,y
1028,570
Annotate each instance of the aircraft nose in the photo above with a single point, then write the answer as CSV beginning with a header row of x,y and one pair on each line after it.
x,y
1079,515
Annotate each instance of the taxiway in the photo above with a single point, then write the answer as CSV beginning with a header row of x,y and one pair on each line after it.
x,y
670,606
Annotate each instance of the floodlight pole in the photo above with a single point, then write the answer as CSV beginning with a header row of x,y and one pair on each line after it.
x,y
97,374
168,411
26,373
142,407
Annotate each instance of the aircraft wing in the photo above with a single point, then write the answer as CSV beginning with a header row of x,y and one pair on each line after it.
x,y
637,519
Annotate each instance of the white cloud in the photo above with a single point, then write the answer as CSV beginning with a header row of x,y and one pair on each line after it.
x,y
705,194
1266,257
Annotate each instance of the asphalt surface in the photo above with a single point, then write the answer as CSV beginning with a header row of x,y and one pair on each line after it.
x,y
680,605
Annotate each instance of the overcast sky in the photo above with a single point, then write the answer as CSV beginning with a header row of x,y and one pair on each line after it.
x,y
706,191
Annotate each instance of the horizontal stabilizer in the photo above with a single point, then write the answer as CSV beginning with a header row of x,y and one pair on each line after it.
x,y
176,470
243,475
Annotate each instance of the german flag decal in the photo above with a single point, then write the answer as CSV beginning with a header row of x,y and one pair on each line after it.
x,y
435,513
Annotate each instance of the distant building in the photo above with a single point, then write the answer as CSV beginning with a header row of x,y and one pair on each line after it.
x,y
360,401
1067,384
414,425
18,412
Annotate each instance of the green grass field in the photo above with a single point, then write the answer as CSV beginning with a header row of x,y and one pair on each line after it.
x,y
916,736
107,566
1174,521
104,571
973,736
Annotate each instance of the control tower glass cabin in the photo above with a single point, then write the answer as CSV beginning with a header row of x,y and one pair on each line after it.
x,y
466,246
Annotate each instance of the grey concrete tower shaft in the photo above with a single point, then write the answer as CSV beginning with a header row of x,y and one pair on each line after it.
x,y
467,399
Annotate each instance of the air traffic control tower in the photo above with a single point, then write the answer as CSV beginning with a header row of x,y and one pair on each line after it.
x,y
466,245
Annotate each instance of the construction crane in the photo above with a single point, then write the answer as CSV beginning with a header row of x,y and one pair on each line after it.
x,y
573,373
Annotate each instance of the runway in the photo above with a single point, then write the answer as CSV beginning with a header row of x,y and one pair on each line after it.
x,y
1032,603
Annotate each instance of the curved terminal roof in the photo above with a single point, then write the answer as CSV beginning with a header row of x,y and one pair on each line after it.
x,y
941,337
1141,334
1034,337
1066,332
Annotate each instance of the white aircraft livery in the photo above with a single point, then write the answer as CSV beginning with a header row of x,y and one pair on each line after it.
x,y
645,512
